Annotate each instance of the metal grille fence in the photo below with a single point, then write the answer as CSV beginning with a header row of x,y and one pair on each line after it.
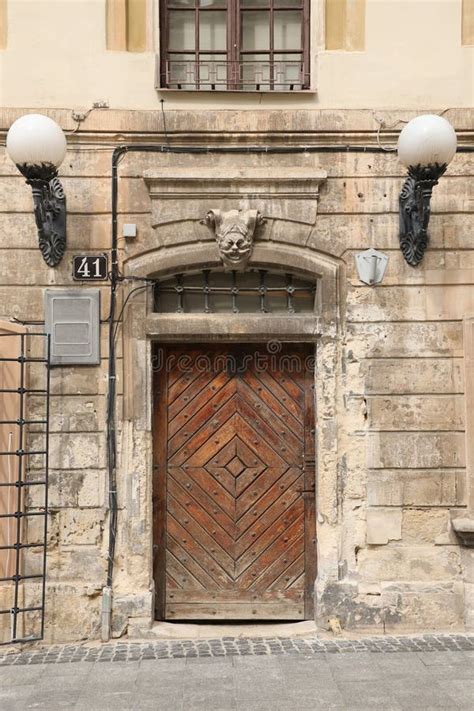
x,y
24,454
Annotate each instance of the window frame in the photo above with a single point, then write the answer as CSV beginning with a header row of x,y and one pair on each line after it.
x,y
233,52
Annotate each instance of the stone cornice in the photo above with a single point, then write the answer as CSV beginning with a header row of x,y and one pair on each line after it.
x,y
293,183
287,127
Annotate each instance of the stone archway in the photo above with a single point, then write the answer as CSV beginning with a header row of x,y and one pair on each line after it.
x,y
142,327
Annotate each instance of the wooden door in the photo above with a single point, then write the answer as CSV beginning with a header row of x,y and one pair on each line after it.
x,y
234,498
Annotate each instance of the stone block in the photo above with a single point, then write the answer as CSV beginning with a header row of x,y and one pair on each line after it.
x,y
69,413
182,231
91,492
189,208
415,412
411,303
76,451
469,606
341,601
384,490
35,530
351,470
25,303
436,488
467,557
409,563
386,450
356,411
62,491
335,234
417,487
402,340
81,565
88,231
375,195
283,231
78,381
398,376
428,611
75,487
427,526
25,267
383,525
140,628
353,515
75,414
93,195
71,614
131,607
81,527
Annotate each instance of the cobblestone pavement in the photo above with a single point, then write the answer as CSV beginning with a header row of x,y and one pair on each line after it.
x,y
413,673
234,646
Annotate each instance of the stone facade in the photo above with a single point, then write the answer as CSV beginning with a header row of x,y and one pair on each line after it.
x,y
394,381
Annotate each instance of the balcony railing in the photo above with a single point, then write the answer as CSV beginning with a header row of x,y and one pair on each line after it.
x,y
224,75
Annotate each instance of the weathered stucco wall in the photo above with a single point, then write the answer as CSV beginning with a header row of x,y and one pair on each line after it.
x,y
390,377
394,64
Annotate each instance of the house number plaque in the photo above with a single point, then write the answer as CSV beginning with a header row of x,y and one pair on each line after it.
x,y
89,268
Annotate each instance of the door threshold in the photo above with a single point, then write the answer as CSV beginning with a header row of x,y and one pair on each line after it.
x,y
201,630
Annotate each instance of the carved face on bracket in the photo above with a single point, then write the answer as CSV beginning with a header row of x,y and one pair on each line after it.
x,y
234,232
234,243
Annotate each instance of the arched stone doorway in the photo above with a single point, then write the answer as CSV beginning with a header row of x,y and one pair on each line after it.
x,y
318,331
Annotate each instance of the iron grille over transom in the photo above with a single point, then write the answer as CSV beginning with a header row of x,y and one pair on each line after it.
x,y
253,291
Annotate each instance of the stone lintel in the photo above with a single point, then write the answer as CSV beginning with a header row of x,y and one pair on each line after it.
x,y
244,183
253,327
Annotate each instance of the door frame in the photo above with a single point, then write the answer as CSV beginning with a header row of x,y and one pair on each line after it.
x,y
159,479
142,327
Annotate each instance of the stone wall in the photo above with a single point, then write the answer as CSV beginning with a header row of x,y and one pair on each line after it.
x,y
390,375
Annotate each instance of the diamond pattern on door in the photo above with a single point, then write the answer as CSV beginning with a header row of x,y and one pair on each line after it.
x,y
234,485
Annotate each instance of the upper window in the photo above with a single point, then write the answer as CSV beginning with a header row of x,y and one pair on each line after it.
x,y
238,45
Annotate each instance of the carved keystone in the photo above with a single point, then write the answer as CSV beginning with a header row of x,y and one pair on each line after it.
x,y
234,231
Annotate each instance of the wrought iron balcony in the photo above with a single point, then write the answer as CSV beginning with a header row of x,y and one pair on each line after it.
x,y
224,75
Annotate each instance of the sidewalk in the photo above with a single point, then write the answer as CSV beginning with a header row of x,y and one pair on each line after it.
x,y
284,674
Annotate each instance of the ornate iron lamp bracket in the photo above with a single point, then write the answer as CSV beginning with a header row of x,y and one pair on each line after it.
x,y
415,198
50,210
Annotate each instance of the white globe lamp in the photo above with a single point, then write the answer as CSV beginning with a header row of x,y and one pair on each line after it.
x,y
427,140
426,146
37,146
35,140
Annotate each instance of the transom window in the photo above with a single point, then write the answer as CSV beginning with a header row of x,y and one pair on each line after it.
x,y
239,45
253,291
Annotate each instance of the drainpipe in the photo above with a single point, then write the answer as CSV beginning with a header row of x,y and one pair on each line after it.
x,y
106,613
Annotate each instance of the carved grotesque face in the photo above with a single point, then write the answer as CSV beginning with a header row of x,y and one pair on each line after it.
x,y
234,243
234,232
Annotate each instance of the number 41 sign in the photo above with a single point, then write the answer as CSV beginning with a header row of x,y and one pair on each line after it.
x,y
89,268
